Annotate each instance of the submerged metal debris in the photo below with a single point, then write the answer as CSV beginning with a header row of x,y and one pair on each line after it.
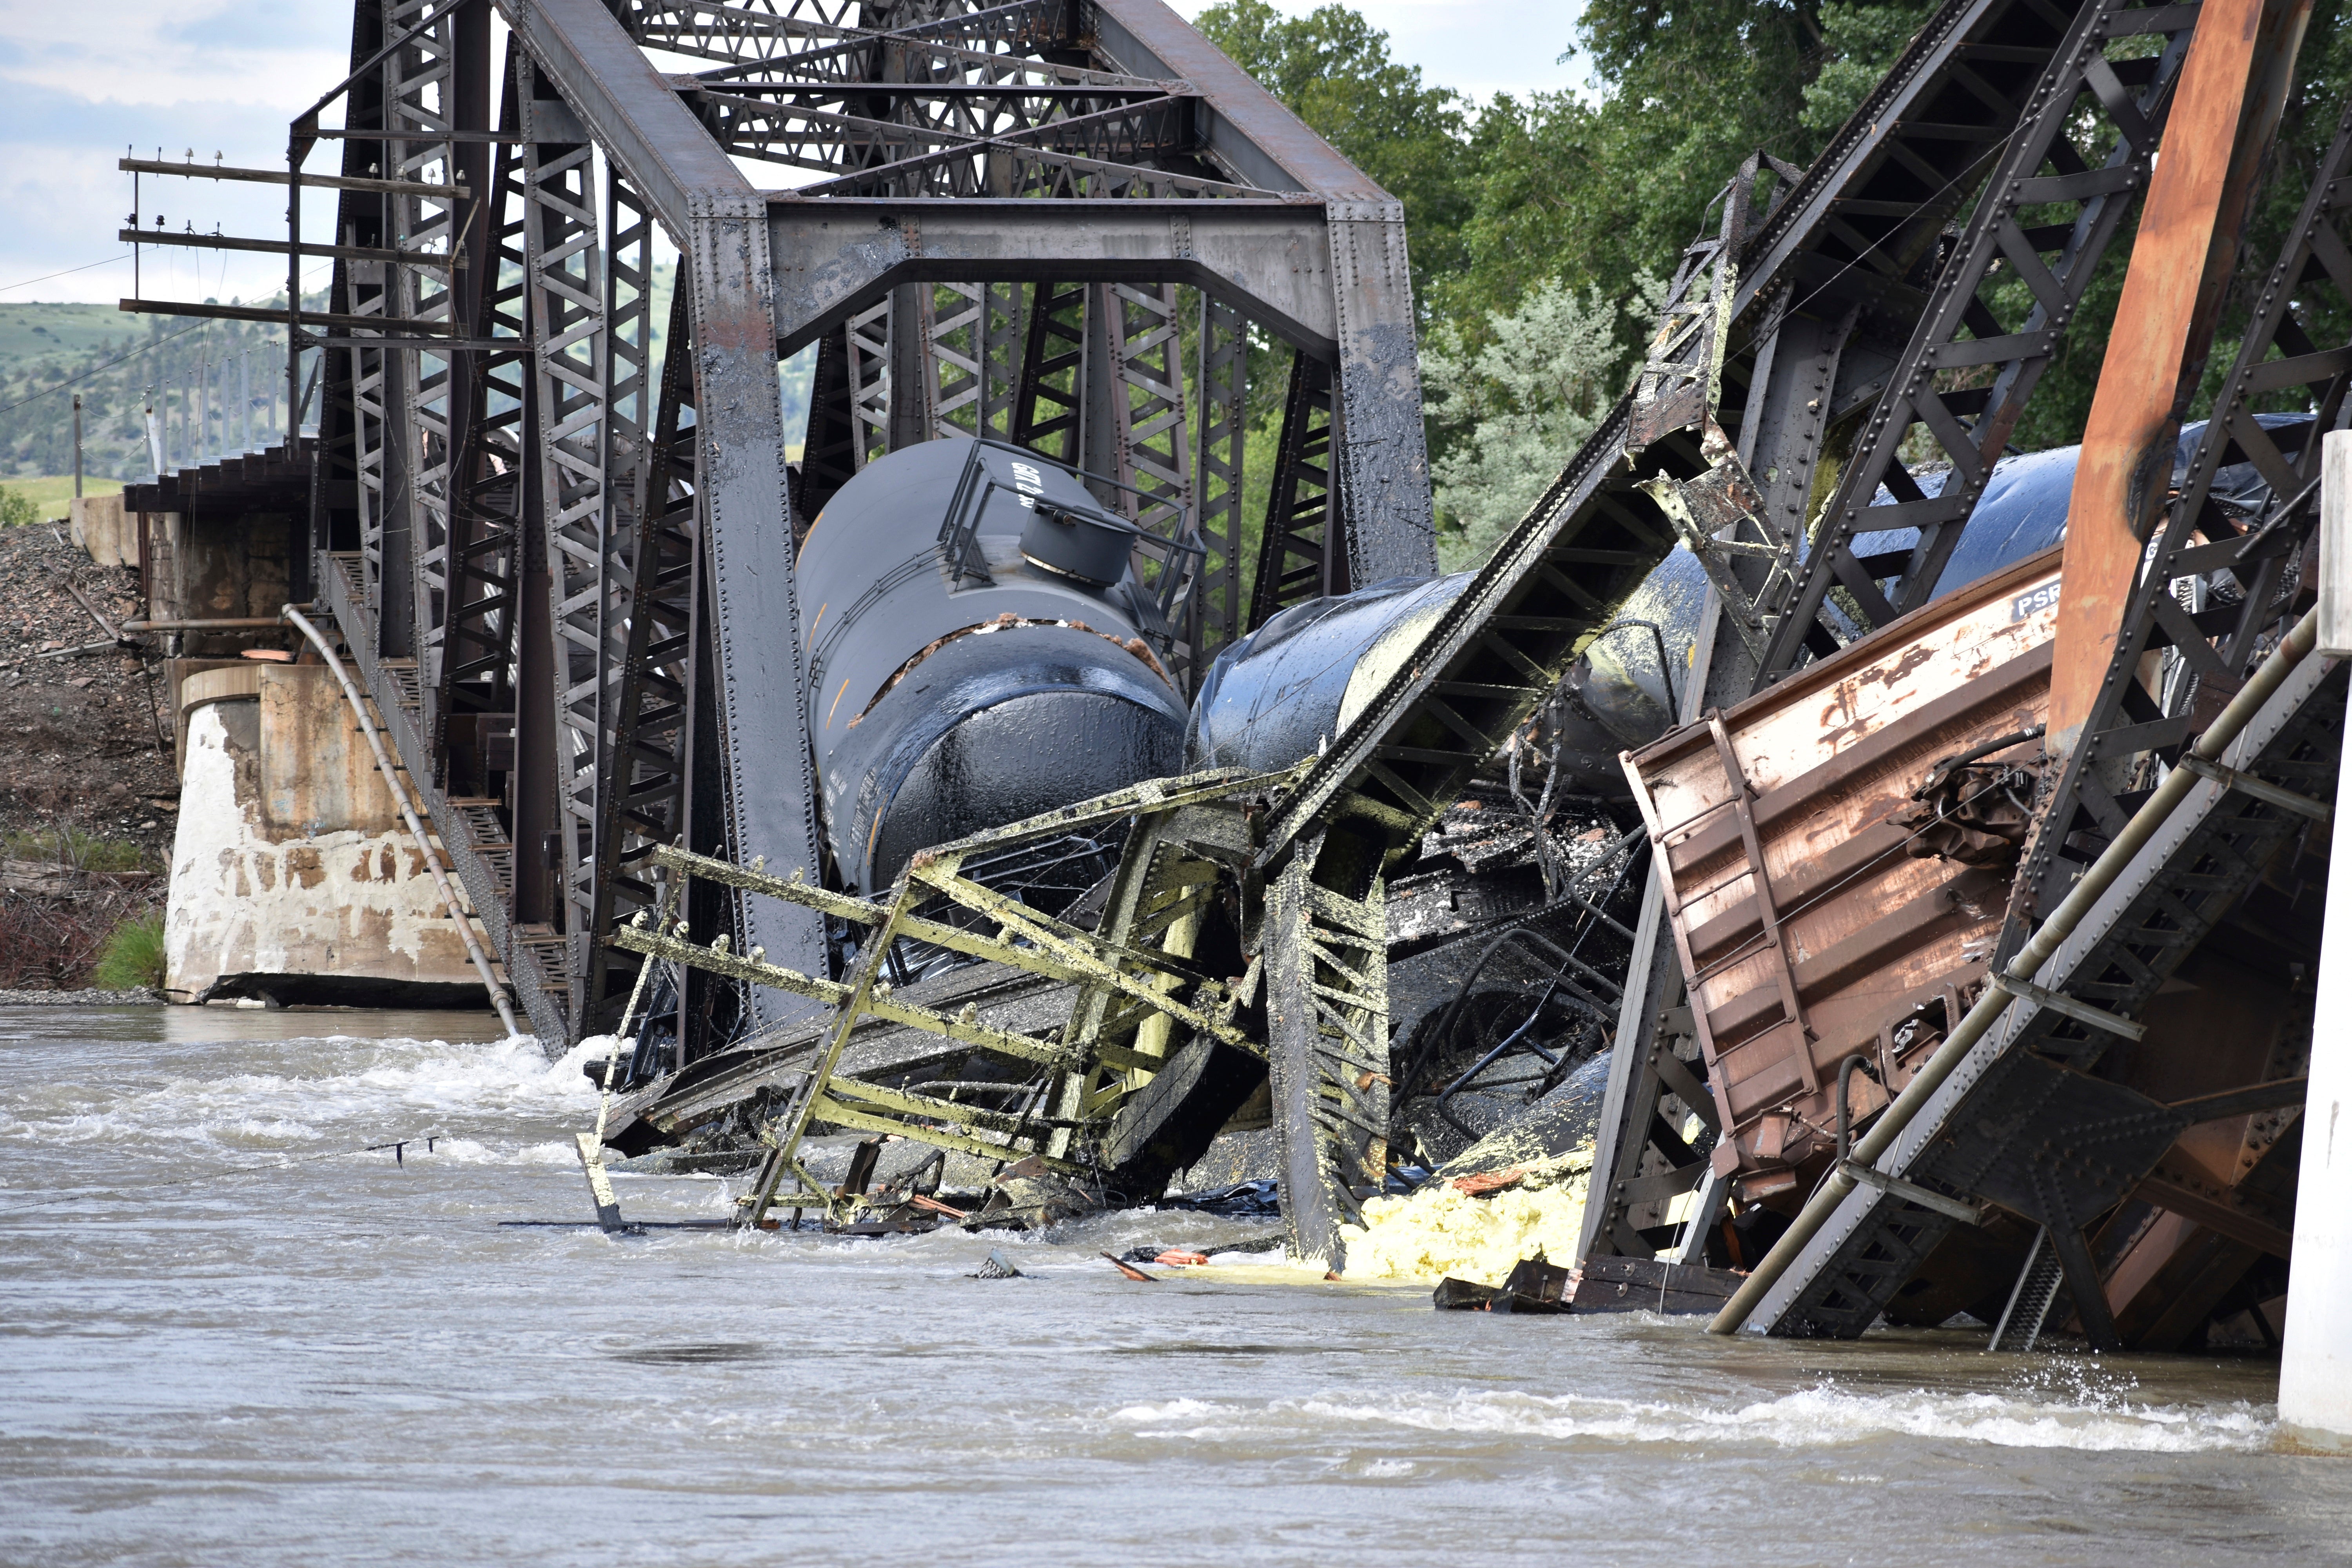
x,y
1612,900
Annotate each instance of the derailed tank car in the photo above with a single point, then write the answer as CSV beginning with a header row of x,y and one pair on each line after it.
x,y
1507,934
983,646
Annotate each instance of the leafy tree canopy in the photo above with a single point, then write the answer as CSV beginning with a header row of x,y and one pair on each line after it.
x,y
1333,69
1537,223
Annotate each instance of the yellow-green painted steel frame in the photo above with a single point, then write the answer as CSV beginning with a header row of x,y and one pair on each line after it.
x,y
1097,1072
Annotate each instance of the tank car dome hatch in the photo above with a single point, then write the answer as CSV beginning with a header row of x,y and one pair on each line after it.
x,y
1091,547
957,683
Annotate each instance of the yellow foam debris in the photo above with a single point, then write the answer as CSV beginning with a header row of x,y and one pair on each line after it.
x,y
1441,1231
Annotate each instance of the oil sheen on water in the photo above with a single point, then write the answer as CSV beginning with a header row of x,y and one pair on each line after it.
x,y
233,1335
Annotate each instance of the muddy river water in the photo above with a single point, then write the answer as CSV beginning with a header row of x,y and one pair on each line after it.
x,y
231,1334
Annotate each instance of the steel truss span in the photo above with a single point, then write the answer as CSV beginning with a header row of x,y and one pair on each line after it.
x,y
1856,319
555,511
1869,390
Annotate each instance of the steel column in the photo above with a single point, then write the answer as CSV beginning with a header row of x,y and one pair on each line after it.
x,y
1215,616
2232,88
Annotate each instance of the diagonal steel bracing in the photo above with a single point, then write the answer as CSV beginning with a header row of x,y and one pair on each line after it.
x,y
565,267
2217,580
1854,327
571,588
1215,612
1961,382
421,108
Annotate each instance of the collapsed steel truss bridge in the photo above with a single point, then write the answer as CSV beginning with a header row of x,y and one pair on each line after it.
x,y
554,564
556,522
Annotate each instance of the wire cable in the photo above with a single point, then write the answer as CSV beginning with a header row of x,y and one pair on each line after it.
x,y
110,365
44,278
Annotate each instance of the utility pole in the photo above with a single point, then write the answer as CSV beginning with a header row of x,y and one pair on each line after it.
x,y
77,446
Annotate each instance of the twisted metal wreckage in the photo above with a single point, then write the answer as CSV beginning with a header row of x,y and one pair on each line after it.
x,y
1926,807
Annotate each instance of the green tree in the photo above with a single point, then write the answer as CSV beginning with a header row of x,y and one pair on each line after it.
x,y
1595,192
1859,44
1535,219
1332,69
1519,406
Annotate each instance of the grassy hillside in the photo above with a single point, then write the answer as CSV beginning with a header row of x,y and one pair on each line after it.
x,y
31,332
120,363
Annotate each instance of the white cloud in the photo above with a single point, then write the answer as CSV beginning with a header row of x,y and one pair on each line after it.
x,y
225,77
168,74
264,52
1479,47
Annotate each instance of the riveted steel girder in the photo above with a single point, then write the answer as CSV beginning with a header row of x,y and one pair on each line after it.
x,y
689,185
1271,259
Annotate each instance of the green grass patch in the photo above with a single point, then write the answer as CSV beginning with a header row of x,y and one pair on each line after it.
x,y
132,957
46,499
38,331
72,847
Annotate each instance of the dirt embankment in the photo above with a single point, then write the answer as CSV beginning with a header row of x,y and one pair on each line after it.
x,y
88,790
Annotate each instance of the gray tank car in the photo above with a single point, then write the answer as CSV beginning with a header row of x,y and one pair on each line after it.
x,y
980,650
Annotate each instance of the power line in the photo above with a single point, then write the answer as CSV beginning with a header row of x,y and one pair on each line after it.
x,y
110,365
44,278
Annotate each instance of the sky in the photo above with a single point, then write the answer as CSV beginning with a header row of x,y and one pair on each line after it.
x,y
214,78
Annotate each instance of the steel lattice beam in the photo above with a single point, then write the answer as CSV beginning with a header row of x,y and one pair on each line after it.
x,y
536,556
2215,583
1963,379
1216,613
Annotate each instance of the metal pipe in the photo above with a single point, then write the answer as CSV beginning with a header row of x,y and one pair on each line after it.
x,y
2110,865
67,652
1846,1069
1508,1041
409,815
237,623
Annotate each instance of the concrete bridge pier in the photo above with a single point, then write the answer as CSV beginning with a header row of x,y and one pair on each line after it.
x,y
292,878
2315,1362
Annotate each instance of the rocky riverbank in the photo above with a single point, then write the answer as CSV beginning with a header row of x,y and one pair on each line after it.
x,y
89,788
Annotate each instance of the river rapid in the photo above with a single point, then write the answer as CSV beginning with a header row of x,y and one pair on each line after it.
x,y
231,1333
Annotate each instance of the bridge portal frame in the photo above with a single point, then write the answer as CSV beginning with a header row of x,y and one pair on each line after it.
x,y
610,552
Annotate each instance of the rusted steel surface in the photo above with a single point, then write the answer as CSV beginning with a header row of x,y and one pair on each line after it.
x,y
2221,1199
1649,1285
2223,118
1883,874
2195,932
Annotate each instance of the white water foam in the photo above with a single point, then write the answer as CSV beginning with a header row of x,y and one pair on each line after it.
x,y
326,1091
1812,1417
